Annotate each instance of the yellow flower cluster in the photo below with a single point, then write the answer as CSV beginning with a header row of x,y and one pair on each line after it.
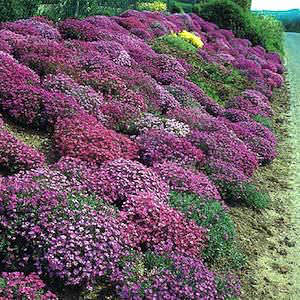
x,y
191,38
153,6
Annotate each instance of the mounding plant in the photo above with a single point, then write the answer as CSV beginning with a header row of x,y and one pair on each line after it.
x,y
212,215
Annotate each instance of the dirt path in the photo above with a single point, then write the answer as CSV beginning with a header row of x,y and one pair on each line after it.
x,y
292,44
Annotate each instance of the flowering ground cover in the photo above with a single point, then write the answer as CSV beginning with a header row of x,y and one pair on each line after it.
x,y
158,123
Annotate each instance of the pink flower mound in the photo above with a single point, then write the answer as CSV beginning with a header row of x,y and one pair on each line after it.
x,y
82,136
251,106
85,96
37,107
14,74
182,180
17,285
79,30
225,171
273,79
154,225
16,156
258,139
197,119
158,146
118,179
32,27
224,145
120,103
236,115
46,56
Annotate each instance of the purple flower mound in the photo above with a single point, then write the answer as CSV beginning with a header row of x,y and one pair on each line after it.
x,y
16,156
17,285
236,115
225,145
182,180
85,96
154,225
32,27
250,105
259,139
158,146
225,171
273,79
170,276
14,74
197,119
45,179
72,239
118,179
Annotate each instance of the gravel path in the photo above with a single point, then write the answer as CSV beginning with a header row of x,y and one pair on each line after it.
x,y
292,45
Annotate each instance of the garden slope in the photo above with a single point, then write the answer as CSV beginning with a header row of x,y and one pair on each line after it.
x,y
122,117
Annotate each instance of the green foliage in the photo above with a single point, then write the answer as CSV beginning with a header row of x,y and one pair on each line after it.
x,y
11,10
220,84
178,42
245,4
60,10
176,7
245,193
267,122
260,30
221,229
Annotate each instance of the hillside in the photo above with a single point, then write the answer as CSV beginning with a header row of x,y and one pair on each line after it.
x,y
136,154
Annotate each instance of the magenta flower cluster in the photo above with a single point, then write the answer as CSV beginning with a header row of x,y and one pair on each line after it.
x,y
154,225
17,285
184,180
158,146
82,136
128,127
118,179
66,237
182,277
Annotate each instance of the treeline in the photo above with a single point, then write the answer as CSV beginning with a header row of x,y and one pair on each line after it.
x,y
11,10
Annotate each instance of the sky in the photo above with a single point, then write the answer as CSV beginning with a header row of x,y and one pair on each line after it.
x,y
275,4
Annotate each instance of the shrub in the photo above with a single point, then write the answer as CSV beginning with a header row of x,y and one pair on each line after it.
x,y
258,139
224,145
182,180
116,180
191,38
233,17
154,225
152,6
71,239
85,96
211,215
244,193
158,146
169,276
150,121
258,29
176,41
36,107
16,156
17,285
82,136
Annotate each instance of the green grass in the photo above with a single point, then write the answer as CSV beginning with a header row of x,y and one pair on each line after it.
x,y
219,83
221,246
